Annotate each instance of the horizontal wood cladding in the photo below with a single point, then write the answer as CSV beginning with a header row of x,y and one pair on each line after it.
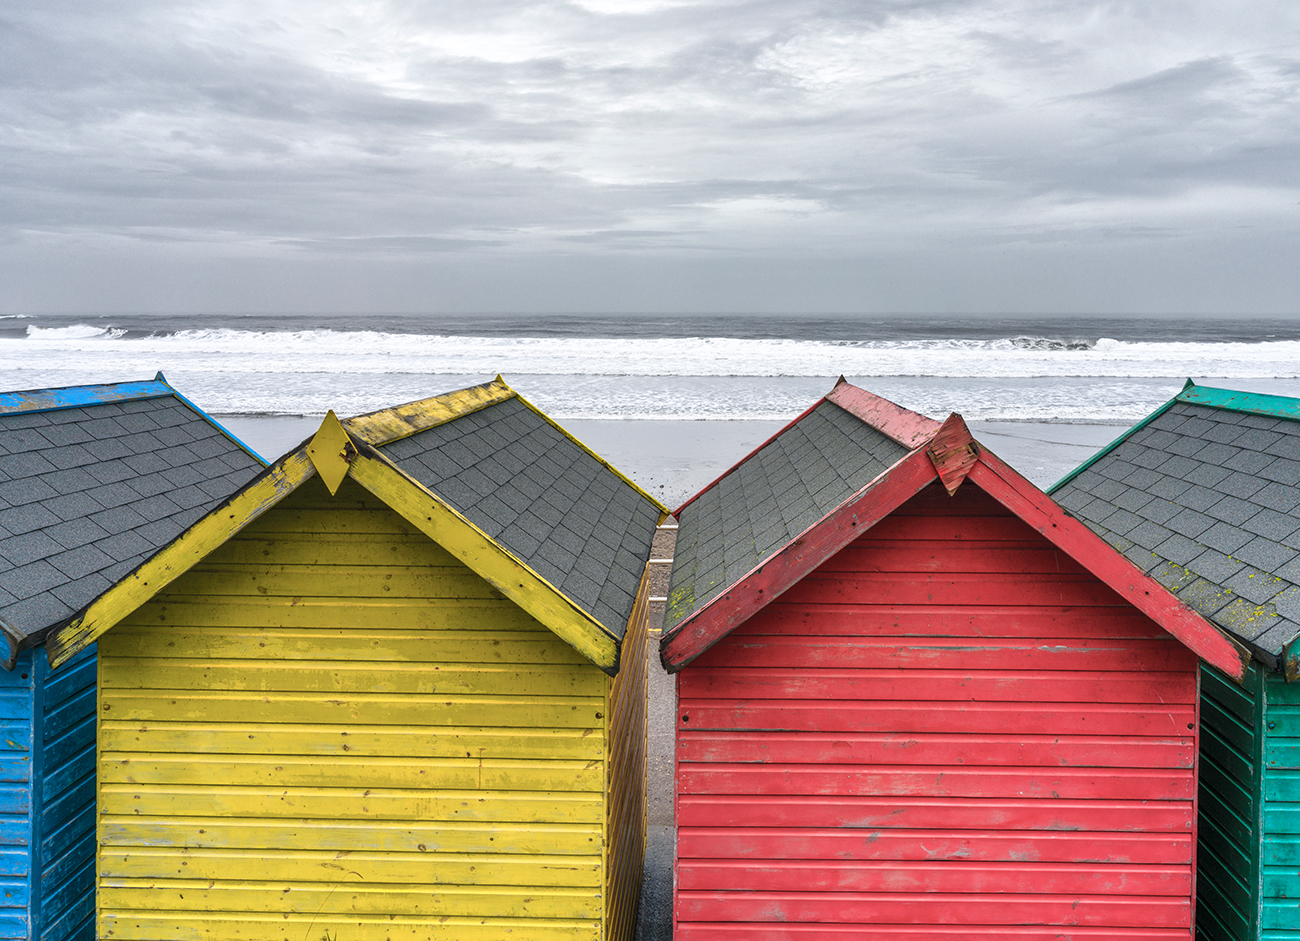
x,y
1280,843
950,725
723,931
626,775
332,728
1227,856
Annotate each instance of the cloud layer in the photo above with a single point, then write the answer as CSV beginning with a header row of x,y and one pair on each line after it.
x,y
599,133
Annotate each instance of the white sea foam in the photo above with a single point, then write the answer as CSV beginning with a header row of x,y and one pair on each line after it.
x,y
306,372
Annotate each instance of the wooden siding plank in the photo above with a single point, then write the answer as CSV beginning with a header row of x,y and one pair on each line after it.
x,y
986,622
241,926
320,616
362,772
433,642
1083,686
822,875
924,813
505,712
356,678
969,589
353,740
833,748
429,899
957,653
940,781
343,836
347,803
326,868
933,716
781,931
811,843
949,909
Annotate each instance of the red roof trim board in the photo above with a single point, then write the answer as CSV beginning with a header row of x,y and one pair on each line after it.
x,y
770,579
1079,542
951,456
908,428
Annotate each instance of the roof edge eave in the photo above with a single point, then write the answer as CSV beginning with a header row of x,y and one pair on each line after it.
x,y
66,638
490,560
1071,536
781,570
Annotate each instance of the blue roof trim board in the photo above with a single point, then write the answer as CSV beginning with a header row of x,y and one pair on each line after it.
x,y
93,481
1204,495
44,400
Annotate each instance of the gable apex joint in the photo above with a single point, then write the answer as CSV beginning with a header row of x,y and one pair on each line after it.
x,y
332,451
953,451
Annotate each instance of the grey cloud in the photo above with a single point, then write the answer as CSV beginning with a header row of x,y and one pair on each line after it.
x,y
780,127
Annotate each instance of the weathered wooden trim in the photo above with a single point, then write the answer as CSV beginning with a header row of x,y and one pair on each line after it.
x,y
189,548
507,574
1289,661
1256,403
603,463
331,451
44,400
953,451
906,427
1088,549
393,424
777,574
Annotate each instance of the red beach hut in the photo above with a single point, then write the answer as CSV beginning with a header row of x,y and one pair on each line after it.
x,y
919,700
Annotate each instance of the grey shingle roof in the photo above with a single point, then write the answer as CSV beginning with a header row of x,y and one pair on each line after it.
x,y
89,492
810,468
1210,510
542,496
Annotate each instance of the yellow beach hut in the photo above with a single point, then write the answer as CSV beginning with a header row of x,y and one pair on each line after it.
x,y
393,689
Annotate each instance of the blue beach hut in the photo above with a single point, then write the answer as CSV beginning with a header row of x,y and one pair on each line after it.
x,y
93,481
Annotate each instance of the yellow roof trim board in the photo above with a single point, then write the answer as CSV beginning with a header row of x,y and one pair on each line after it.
x,y
604,463
393,424
189,548
443,524
335,452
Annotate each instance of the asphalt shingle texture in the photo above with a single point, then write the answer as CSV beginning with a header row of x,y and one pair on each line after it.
x,y
1210,510
89,493
761,506
547,500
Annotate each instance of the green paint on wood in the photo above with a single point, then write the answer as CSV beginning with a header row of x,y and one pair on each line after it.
x,y
1280,838
1275,406
1227,852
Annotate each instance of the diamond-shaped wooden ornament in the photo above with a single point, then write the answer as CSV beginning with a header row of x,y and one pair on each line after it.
x,y
331,450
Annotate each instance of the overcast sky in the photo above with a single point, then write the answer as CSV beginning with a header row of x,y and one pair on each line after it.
x,y
636,155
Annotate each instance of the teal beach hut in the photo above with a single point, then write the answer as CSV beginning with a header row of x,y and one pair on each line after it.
x,y
93,481
1204,495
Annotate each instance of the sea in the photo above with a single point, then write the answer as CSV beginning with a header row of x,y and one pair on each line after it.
x,y
1077,369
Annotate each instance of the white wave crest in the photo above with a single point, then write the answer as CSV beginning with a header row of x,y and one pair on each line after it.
x,y
78,331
